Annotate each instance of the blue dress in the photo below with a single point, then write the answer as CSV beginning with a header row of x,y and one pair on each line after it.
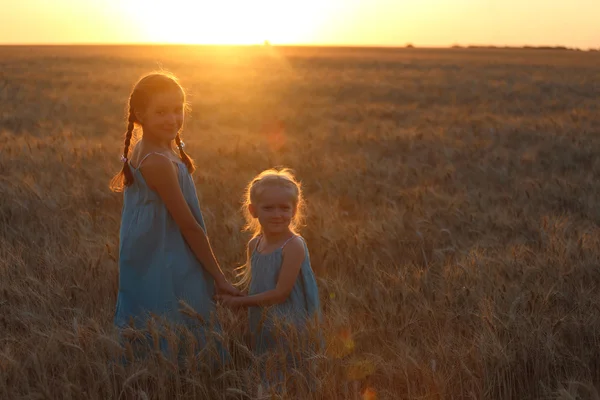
x,y
284,326
157,268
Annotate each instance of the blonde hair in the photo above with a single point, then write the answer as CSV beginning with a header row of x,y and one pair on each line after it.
x,y
271,177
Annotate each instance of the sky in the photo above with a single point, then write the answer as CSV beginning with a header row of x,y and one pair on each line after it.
x,y
427,23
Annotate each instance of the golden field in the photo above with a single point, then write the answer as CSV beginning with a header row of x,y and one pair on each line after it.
x,y
453,218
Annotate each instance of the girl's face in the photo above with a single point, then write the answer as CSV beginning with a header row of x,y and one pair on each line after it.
x,y
163,117
274,209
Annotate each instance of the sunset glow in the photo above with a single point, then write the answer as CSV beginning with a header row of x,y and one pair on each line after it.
x,y
311,22
230,22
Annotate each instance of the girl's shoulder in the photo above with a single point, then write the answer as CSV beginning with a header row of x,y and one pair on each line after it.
x,y
295,246
154,158
296,240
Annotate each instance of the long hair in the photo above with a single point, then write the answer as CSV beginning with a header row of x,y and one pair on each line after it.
x,y
144,89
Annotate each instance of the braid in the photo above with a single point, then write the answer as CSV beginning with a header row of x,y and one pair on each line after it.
x,y
125,177
127,174
184,157
130,121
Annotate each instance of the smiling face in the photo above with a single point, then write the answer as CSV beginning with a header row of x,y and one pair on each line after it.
x,y
163,117
275,208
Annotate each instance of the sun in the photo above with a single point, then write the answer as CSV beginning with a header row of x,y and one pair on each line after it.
x,y
227,21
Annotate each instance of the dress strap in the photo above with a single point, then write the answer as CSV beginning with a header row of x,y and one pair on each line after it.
x,y
257,243
149,154
287,241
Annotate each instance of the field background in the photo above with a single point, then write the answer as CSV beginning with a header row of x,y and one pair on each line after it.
x,y
453,216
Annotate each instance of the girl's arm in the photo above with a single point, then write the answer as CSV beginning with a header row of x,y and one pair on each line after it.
x,y
293,256
161,176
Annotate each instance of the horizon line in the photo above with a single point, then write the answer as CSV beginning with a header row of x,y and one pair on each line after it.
x,y
408,45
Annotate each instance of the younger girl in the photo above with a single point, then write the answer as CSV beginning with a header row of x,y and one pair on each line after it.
x,y
283,290
164,253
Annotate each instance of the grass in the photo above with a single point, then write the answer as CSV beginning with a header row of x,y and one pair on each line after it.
x,y
452,214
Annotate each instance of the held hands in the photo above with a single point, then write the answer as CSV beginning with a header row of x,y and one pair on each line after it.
x,y
230,301
223,287
227,294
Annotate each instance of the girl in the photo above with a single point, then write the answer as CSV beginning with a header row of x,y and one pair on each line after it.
x,y
164,254
283,290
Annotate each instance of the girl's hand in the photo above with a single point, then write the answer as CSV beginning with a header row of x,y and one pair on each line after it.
x,y
224,287
230,301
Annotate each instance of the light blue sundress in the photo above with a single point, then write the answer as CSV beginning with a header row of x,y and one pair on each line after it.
x,y
157,268
284,327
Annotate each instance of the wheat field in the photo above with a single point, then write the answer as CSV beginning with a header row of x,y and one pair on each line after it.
x,y
453,217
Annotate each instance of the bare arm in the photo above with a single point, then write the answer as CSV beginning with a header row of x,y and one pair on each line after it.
x,y
293,257
161,176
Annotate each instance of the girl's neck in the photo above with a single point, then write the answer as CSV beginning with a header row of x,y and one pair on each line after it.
x,y
277,237
156,144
